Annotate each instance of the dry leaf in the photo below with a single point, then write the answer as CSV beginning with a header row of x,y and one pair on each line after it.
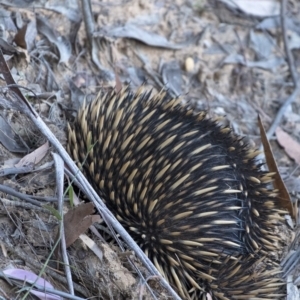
x,y
8,138
291,147
284,197
261,8
133,31
25,37
34,157
61,42
92,245
78,220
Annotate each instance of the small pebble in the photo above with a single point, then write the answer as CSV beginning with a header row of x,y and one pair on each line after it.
x,y
189,65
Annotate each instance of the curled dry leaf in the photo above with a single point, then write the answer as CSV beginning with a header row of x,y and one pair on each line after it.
x,y
284,197
25,37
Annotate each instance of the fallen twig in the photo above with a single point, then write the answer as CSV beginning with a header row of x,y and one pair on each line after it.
x,y
293,71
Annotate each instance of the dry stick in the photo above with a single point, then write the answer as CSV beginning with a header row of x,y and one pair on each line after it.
x,y
26,108
293,71
31,199
289,55
87,13
12,192
59,168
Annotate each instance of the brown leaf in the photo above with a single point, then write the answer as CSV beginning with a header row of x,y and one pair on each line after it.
x,y
20,37
78,220
284,197
25,37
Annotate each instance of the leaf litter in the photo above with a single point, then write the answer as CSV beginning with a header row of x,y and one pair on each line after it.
x,y
227,59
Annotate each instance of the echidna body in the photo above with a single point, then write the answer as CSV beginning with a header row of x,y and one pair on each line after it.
x,y
188,191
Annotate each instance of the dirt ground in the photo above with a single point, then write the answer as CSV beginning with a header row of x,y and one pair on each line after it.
x,y
234,59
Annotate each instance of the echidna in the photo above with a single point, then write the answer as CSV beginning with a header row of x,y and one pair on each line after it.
x,y
188,190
